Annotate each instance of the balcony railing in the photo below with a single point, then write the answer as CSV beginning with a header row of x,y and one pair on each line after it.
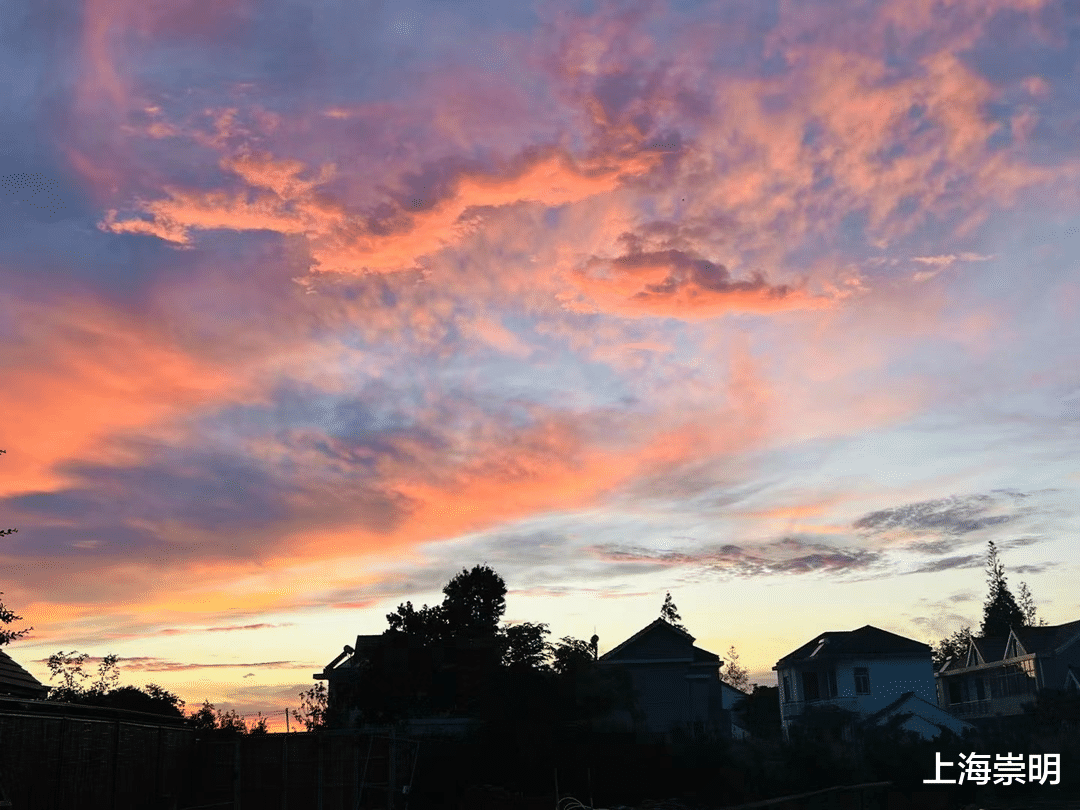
x,y
972,708
989,708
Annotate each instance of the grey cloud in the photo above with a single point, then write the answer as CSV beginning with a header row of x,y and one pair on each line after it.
x,y
956,515
948,563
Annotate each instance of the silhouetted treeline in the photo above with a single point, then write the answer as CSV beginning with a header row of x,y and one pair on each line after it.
x,y
542,709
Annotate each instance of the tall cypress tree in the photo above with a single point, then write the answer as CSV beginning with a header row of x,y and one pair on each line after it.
x,y
669,614
1000,612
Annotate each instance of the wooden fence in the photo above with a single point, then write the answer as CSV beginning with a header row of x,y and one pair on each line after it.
x,y
58,756
328,770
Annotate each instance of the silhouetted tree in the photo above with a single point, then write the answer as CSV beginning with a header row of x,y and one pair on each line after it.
x,y
1027,607
216,724
669,614
104,691
571,654
475,602
428,624
68,667
734,674
204,720
6,615
230,724
526,646
954,646
1000,612
6,532
154,700
259,727
313,706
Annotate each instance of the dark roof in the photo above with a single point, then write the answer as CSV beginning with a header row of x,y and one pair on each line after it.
x,y
14,680
867,640
705,657
659,624
991,649
1046,639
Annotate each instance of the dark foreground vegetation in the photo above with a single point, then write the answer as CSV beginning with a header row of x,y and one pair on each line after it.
x,y
710,773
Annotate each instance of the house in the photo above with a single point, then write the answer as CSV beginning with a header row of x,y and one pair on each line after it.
x,y
677,684
411,680
864,671
17,682
999,676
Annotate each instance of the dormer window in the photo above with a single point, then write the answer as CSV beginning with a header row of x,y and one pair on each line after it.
x,y
1012,651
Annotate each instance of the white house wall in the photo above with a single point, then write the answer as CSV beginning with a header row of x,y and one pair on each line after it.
x,y
889,678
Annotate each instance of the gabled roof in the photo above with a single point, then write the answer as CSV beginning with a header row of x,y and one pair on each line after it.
x,y
1072,678
1051,638
705,657
867,640
657,626
14,680
725,685
987,650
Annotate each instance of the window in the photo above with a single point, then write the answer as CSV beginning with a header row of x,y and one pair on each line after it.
x,y
832,683
956,695
811,689
788,697
980,689
862,680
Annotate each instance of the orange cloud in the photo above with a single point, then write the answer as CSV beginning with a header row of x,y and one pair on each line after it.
x,y
79,373
346,243
674,284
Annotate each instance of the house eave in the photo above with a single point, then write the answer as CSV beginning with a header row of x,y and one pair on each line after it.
x,y
991,665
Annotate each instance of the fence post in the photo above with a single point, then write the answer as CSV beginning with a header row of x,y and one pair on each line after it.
x,y
157,771
319,787
285,771
236,774
115,759
60,781
393,769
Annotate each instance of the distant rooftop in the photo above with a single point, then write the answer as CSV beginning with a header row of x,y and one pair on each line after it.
x,y
16,681
867,640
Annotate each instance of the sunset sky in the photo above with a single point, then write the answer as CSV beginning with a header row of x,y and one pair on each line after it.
x,y
306,306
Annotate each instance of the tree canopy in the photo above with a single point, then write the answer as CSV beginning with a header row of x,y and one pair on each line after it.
x,y
954,646
734,673
1000,612
669,614
474,602
103,691
6,615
